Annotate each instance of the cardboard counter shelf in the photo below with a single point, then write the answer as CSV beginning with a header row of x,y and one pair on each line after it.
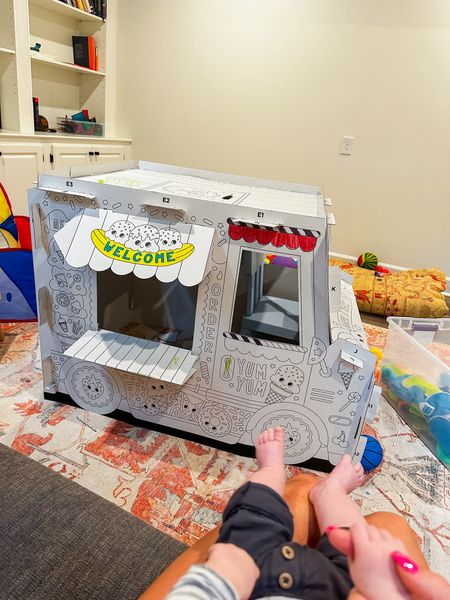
x,y
416,378
157,307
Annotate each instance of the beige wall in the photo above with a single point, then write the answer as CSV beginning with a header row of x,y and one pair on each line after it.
x,y
267,88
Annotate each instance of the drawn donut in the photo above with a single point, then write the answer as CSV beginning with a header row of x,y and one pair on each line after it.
x,y
299,434
62,299
215,420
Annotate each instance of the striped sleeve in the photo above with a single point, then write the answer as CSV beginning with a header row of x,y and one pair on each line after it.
x,y
201,583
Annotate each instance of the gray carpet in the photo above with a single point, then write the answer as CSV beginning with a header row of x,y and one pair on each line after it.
x,y
60,541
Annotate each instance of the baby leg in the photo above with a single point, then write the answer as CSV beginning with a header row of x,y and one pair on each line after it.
x,y
270,457
257,518
332,504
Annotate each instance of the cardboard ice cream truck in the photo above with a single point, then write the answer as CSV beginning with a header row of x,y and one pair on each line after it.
x,y
157,306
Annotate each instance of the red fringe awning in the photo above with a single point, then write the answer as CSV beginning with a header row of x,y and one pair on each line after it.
x,y
276,238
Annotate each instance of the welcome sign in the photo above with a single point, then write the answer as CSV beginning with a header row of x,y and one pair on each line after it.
x,y
126,244
116,251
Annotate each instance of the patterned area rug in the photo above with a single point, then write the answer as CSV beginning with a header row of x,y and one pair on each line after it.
x,y
181,487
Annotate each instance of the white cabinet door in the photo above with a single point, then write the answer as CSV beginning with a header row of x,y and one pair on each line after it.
x,y
19,168
111,153
69,155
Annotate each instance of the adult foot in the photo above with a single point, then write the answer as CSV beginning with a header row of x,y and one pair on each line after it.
x,y
270,448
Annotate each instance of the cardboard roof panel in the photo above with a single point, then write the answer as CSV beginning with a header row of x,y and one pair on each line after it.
x,y
134,355
128,244
308,204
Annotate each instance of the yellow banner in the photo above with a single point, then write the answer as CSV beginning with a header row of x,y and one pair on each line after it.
x,y
115,251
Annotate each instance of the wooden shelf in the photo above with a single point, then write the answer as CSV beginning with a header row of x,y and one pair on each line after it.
x,y
6,51
37,58
64,9
57,137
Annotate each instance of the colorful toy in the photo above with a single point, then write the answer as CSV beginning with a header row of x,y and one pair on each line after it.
x,y
368,260
436,409
379,355
373,454
382,270
281,261
423,405
17,293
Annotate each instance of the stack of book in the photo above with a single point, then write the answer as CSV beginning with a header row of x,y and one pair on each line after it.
x,y
96,7
85,53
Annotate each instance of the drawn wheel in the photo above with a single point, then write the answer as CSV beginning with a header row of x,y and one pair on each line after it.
x,y
215,421
92,388
300,434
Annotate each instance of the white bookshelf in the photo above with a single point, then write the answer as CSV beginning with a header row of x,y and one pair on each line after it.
x,y
50,75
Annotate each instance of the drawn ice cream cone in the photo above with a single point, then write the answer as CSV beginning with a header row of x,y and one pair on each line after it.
x,y
277,394
63,324
284,383
346,371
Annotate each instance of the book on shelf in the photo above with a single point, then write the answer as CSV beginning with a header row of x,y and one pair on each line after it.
x,y
84,51
95,7
36,113
80,50
91,52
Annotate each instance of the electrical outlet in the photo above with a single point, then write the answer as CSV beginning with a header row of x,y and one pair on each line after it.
x,y
346,146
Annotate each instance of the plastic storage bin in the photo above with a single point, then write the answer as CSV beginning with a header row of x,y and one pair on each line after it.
x,y
73,127
416,378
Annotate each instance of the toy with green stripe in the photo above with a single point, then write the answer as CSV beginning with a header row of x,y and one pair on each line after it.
x,y
368,260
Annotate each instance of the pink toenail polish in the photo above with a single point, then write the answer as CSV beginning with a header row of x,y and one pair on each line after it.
x,y
405,562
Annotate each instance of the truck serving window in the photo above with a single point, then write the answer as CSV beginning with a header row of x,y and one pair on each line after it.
x,y
147,308
267,297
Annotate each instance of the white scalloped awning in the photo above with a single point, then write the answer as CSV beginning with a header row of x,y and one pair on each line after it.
x,y
134,355
104,239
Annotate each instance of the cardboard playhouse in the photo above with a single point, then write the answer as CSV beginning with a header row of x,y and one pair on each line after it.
x,y
157,304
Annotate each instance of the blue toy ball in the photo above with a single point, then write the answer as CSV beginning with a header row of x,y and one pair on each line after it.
x,y
373,454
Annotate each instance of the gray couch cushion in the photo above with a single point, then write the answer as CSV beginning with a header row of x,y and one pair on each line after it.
x,y
60,541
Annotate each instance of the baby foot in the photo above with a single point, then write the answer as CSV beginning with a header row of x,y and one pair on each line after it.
x,y
270,456
346,475
342,480
270,448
